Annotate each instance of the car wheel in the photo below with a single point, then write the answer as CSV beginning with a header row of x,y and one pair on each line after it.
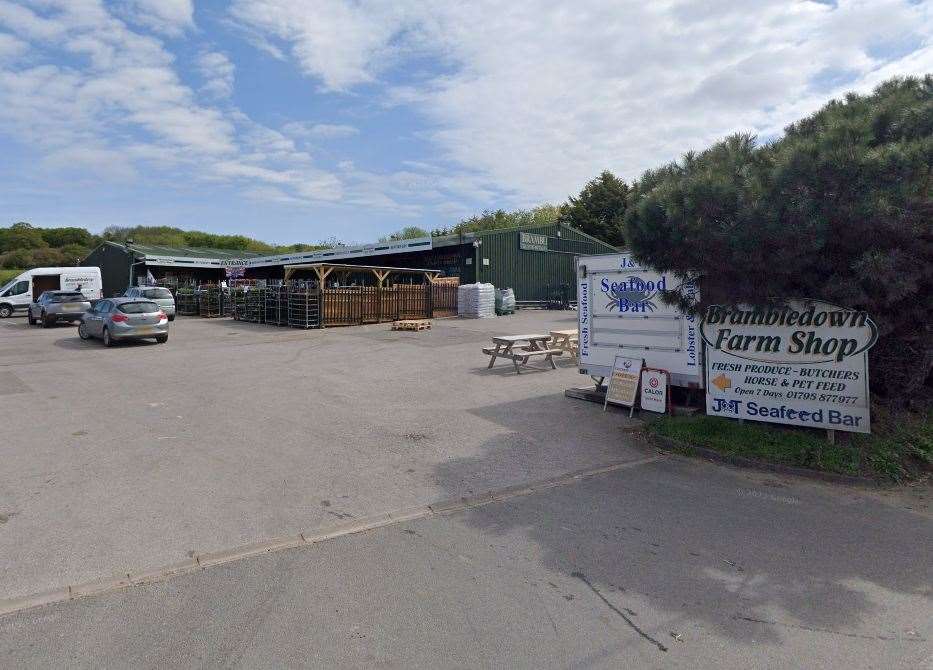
x,y
82,331
171,318
46,321
108,341
161,339
6,311
31,321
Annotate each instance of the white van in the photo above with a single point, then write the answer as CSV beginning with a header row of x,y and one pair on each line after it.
x,y
621,312
16,295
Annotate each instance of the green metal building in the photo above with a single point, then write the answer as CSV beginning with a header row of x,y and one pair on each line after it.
x,y
537,262
125,265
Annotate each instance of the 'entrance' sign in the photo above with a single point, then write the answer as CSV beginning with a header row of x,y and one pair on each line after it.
x,y
804,363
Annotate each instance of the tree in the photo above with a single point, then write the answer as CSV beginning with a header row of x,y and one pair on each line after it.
x,y
60,237
839,209
21,236
599,210
407,233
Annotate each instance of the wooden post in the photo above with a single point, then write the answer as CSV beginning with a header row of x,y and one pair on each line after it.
x,y
831,436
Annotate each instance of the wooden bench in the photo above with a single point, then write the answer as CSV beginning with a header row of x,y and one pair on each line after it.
x,y
522,357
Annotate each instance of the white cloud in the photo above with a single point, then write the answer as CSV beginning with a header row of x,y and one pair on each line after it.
x,y
537,97
341,41
171,17
11,47
129,108
218,72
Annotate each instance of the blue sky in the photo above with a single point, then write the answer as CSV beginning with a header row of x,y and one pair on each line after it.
x,y
298,121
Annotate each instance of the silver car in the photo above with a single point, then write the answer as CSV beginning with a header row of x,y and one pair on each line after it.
x,y
115,319
55,306
157,294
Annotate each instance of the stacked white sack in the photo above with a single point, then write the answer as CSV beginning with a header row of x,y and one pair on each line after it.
x,y
476,301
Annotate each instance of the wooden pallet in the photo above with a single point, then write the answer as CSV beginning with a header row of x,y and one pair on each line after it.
x,y
411,324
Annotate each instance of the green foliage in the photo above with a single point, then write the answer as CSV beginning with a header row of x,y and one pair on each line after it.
x,y
23,246
21,236
62,237
599,210
21,258
168,236
899,448
542,215
787,446
407,233
6,274
839,209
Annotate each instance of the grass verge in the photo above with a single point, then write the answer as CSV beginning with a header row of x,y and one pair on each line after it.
x,y
899,449
7,274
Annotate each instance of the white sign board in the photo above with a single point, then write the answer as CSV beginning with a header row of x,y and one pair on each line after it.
x,y
804,363
654,390
623,382
532,241
620,311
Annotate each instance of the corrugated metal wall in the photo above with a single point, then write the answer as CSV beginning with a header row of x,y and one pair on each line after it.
x,y
114,264
535,275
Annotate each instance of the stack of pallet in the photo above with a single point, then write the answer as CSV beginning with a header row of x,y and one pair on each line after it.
x,y
411,324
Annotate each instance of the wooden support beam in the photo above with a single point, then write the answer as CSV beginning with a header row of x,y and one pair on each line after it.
x,y
381,276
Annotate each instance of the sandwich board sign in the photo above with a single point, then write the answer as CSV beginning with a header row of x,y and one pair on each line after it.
x,y
800,362
654,386
623,381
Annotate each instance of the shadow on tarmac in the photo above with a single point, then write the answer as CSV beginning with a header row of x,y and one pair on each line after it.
x,y
703,542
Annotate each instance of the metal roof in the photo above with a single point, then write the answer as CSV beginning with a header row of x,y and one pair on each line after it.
x,y
188,252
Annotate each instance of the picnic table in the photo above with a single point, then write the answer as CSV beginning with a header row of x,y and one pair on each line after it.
x,y
565,340
531,346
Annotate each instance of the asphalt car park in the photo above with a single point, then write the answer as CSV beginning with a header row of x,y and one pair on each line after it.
x,y
443,510
232,432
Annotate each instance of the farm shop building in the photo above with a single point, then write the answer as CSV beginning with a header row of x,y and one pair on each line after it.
x,y
537,262
123,265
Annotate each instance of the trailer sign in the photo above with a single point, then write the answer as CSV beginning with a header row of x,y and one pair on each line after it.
x,y
622,311
803,363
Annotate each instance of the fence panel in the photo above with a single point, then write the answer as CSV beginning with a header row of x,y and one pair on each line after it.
x,y
443,300
342,306
367,304
412,302
371,304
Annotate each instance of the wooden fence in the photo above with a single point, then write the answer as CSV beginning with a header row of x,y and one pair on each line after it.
x,y
353,306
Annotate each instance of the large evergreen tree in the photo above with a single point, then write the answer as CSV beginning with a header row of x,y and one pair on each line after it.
x,y
599,210
839,209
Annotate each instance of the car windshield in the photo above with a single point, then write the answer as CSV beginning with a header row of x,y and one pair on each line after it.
x,y
67,297
138,307
155,293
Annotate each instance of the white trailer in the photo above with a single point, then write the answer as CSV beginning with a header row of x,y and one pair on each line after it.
x,y
621,312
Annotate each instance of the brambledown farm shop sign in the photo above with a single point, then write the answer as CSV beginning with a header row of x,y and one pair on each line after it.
x,y
803,363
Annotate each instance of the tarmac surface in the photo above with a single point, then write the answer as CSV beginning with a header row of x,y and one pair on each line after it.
x,y
232,433
122,459
669,563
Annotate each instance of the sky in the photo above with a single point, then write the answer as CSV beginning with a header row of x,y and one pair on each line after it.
x,y
297,121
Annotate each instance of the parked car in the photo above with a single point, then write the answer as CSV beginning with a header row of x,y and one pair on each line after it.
x,y
115,319
157,294
55,306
